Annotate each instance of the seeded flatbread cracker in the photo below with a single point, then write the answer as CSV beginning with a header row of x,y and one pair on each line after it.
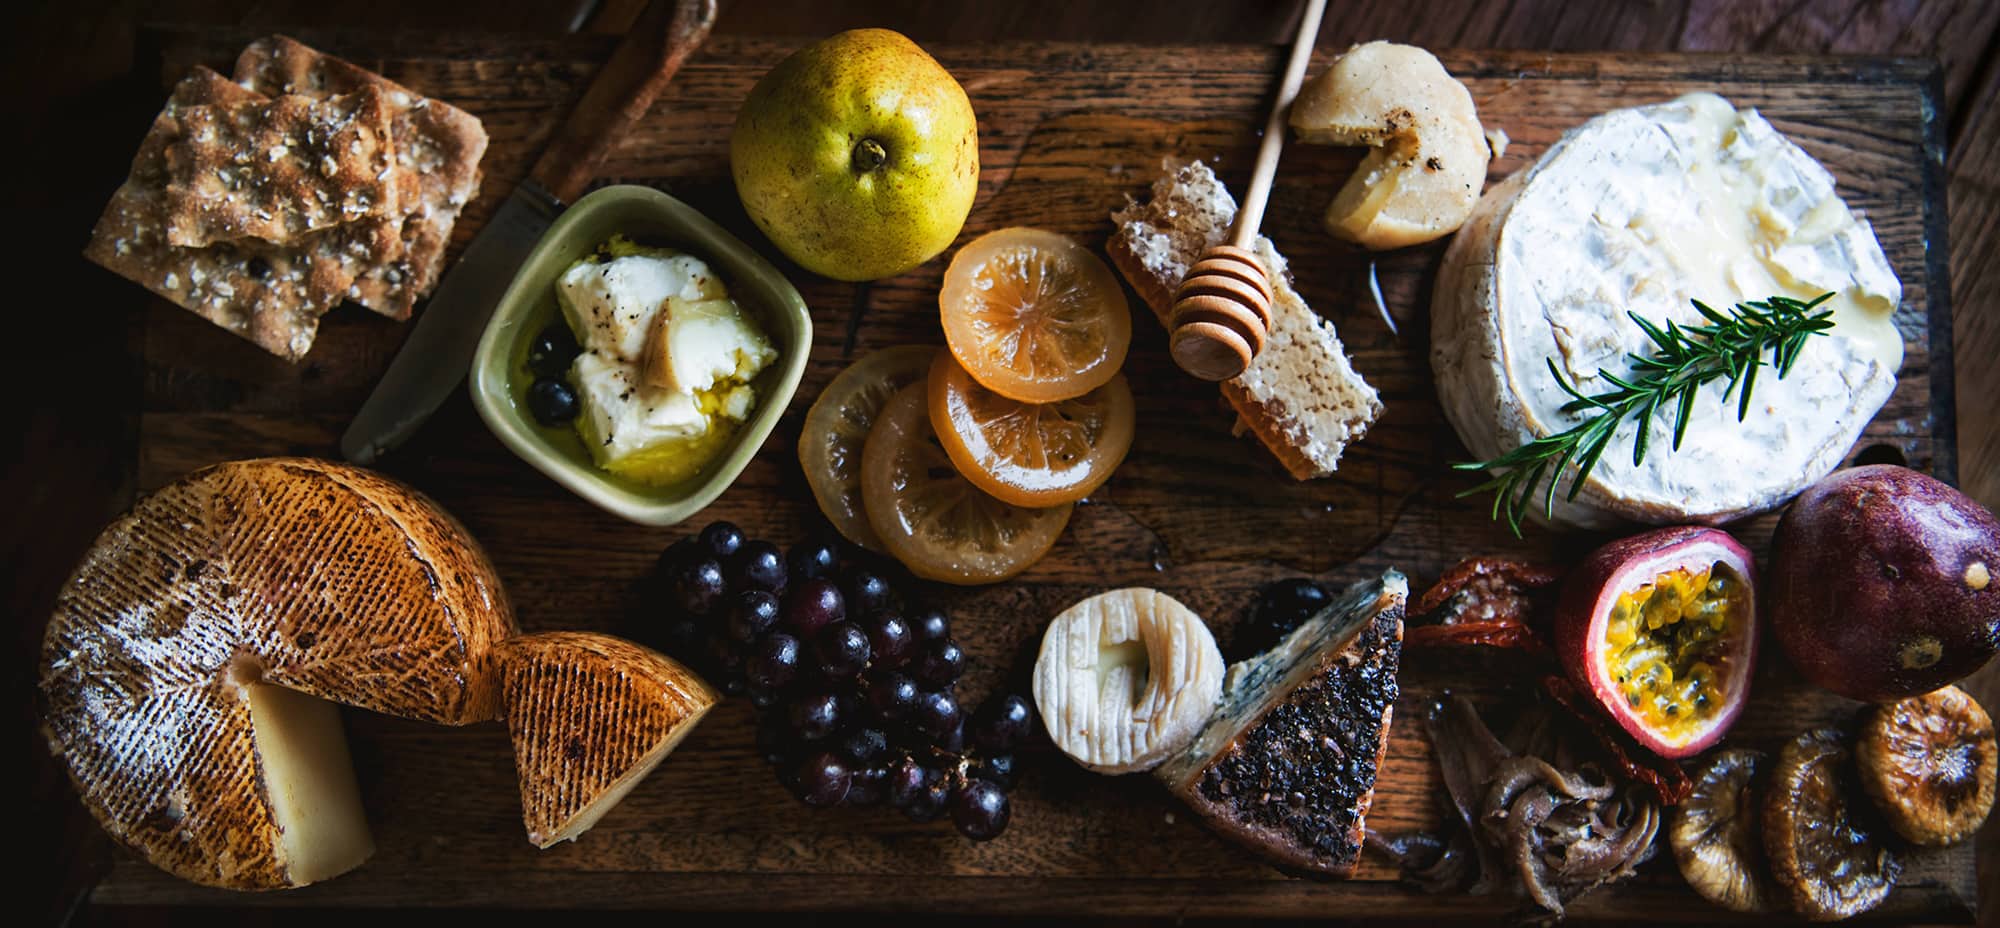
x,y
279,169
272,295
438,147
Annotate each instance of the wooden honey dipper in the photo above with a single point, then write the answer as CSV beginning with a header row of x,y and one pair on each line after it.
x,y
1222,309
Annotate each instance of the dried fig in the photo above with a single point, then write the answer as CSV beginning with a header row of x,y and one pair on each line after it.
x,y
1715,836
1832,865
1929,764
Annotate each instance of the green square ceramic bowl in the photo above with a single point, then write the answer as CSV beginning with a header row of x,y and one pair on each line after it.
x,y
500,377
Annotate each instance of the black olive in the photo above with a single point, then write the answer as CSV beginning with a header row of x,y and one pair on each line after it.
x,y
552,402
552,351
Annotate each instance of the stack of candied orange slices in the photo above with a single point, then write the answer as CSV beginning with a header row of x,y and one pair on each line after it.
x,y
964,462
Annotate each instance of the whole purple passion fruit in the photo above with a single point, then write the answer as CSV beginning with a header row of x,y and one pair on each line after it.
x,y
1883,584
1661,629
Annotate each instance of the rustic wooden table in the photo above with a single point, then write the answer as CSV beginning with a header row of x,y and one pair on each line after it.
x,y
74,97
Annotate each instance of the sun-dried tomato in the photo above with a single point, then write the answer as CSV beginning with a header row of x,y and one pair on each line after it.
x,y
1490,634
1496,583
1482,601
1664,777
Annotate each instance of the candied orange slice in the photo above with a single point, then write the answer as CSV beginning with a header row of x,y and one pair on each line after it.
x,y
1034,316
1030,454
934,520
837,426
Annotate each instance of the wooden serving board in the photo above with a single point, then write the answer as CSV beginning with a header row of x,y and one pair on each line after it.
x,y
1067,133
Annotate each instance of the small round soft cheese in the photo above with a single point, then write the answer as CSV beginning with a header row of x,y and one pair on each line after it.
x,y
1125,679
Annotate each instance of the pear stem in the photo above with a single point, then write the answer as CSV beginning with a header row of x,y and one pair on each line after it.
x,y
868,155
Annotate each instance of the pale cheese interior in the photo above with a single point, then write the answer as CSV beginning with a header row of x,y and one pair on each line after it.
x,y
309,782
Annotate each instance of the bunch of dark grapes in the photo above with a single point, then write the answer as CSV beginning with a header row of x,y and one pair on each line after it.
x,y
854,694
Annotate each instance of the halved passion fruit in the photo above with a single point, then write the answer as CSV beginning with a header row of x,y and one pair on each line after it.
x,y
1661,629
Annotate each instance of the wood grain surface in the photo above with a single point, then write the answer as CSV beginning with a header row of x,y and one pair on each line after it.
x,y
1067,132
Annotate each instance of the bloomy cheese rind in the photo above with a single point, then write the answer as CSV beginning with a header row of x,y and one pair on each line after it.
x,y
1525,280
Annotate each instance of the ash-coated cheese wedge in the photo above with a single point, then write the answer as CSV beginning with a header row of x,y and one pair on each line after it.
x,y
1286,767
590,716
196,657
1644,210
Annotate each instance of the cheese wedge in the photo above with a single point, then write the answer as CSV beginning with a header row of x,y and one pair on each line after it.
x,y
1286,766
590,716
196,657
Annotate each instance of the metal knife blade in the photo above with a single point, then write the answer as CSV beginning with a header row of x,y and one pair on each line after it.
x,y
434,359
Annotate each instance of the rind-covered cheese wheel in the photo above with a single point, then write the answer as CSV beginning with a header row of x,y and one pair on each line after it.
x,y
1643,211
195,656
590,716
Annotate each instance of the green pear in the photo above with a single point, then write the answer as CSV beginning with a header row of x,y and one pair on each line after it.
x,y
858,156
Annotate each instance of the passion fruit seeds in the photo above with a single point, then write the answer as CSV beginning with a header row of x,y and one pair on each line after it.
x,y
1661,630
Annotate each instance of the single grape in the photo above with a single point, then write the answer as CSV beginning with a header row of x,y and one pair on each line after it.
x,y
908,779
892,696
683,638
813,605
940,665
673,556
698,587
936,714
721,540
868,786
773,661
815,716
775,741
842,649
865,591
761,696
890,640
758,566
752,615
824,780
980,810
931,625
952,741
929,802
810,559
726,657
864,745
998,769
1002,723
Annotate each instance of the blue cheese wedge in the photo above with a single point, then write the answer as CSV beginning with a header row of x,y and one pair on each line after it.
x,y
1645,210
665,375
1286,766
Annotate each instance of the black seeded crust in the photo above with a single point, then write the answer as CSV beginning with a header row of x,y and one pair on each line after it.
x,y
1301,801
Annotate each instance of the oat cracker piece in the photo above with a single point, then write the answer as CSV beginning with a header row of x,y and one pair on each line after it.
x,y
271,295
279,169
438,148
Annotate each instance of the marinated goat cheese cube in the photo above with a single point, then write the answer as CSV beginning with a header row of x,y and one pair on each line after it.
x,y
610,305
664,379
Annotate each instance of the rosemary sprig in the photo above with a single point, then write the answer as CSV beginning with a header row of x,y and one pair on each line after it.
x,y
1684,358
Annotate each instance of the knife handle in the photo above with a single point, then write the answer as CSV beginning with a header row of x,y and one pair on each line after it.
x,y
666,33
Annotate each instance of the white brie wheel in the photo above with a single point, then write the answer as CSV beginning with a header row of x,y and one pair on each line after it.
x,y
1645,210
1126,679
